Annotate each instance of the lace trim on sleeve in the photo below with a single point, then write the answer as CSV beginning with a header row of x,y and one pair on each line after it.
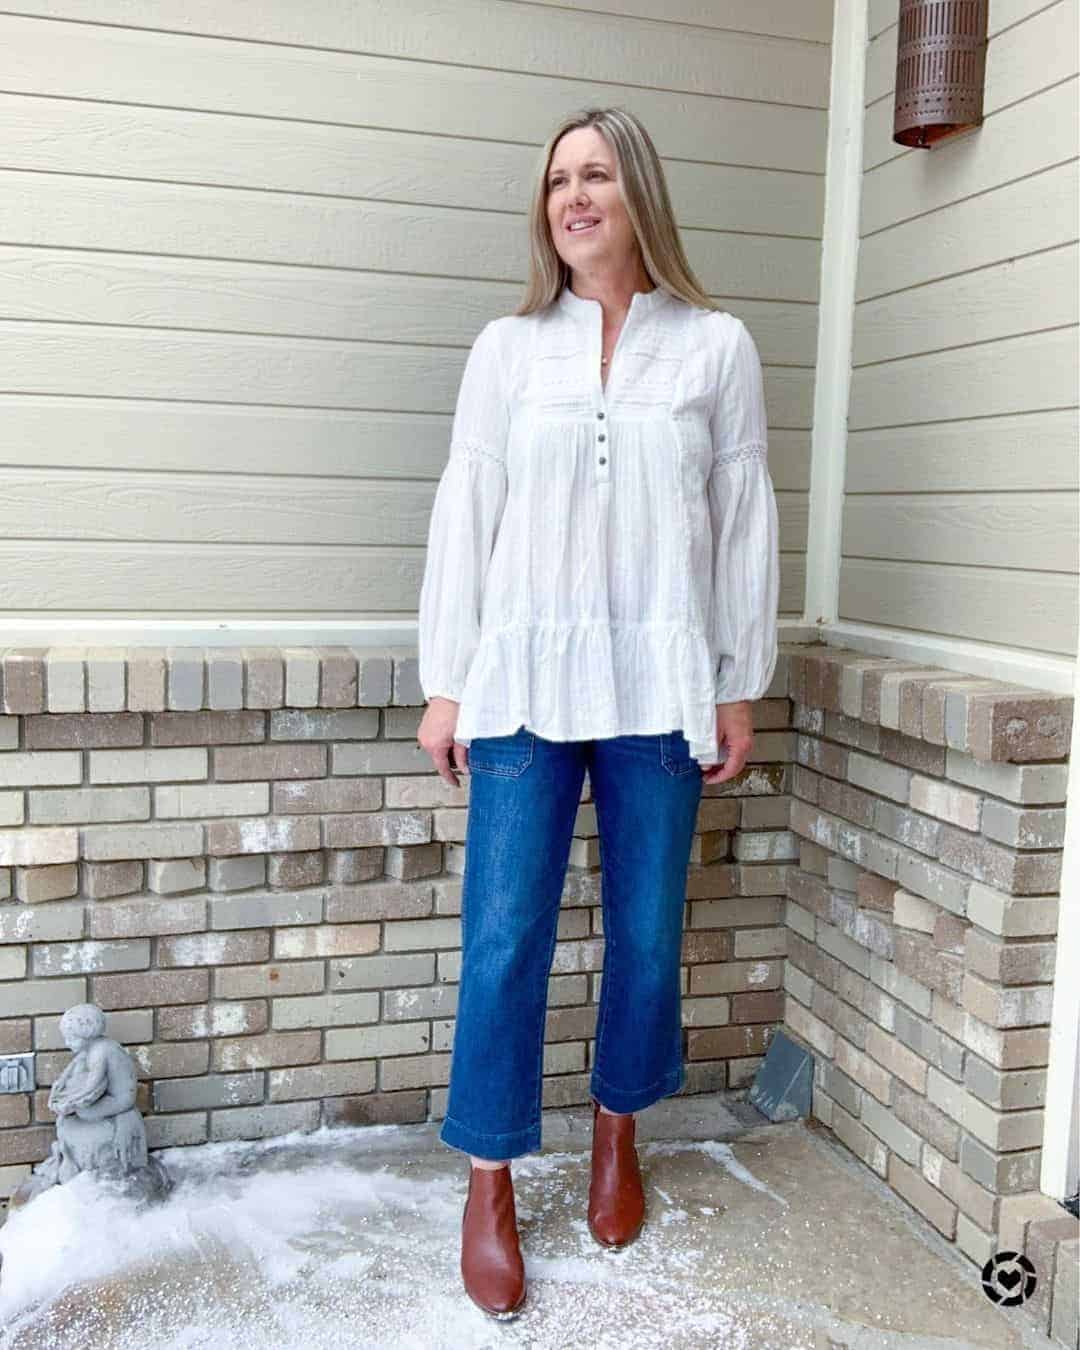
x,y
748,450
472,449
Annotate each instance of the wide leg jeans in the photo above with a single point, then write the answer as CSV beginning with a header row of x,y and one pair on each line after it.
x,y
524,796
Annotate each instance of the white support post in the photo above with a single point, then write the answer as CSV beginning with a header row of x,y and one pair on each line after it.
x,y
836,309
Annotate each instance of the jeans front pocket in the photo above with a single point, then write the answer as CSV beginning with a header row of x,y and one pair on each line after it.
x,y
675,754
508,756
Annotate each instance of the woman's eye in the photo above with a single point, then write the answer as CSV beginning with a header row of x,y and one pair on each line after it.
x,y
596,173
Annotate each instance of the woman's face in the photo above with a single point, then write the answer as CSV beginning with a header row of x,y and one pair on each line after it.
x,y
582,182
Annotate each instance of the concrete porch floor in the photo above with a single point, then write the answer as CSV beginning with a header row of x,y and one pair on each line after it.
x,y
756,1235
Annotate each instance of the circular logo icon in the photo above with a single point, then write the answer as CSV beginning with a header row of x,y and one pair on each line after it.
x,y
1008,1278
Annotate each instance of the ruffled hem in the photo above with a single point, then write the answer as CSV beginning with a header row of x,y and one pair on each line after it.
x,y
600,679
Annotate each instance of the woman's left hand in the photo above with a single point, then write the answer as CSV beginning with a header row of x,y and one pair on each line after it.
x,y
735,731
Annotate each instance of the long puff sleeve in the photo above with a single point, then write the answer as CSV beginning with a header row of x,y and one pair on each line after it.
x,y
745,527
464,521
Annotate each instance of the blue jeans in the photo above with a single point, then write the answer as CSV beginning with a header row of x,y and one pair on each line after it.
x,y
523,800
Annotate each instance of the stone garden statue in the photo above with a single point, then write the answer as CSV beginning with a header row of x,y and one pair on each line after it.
x,y
98,1126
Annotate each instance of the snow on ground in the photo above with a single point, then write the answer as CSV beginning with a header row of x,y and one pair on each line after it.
x,y
316,1241
352,1238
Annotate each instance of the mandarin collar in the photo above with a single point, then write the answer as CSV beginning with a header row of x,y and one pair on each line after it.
x,y
641,302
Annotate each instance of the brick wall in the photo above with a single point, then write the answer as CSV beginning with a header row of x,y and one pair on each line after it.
x,y
921,949
243,856
246,860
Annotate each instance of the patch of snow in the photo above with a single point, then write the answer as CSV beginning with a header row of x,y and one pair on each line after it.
x,y
312,1241
673,1216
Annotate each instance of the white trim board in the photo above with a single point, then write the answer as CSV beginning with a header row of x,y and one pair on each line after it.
x,y
1052,673
153,631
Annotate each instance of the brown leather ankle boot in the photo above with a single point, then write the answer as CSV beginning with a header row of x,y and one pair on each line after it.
x,y
491,1263
616,1197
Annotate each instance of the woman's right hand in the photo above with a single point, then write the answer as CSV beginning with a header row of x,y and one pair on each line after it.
x,y
436,735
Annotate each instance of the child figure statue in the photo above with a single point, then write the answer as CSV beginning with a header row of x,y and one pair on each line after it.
x,y
98,1126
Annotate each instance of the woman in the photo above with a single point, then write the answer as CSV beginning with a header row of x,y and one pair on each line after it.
x,y
600,595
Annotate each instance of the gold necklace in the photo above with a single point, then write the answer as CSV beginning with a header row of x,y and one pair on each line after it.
x,y
603,358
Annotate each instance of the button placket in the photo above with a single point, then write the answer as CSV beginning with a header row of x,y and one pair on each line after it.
x,y
601,446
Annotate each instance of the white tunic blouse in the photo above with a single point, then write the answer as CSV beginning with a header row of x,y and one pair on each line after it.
x,y
604,561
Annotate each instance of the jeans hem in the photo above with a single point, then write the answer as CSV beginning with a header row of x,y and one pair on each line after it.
x,y
615,1099
494,1147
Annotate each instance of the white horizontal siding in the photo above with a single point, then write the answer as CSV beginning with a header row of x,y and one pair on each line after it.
x,y
960,516
731,55
291,581
153,507
1016,609
388,237
367,90
244,249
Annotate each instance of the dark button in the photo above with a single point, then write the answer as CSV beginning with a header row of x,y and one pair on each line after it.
x,y
603,460
600,415
601,437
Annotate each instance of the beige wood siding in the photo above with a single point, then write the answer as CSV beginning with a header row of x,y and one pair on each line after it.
x,y
245,249
960,513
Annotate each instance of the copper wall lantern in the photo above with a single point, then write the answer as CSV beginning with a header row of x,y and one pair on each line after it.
x,y
940,69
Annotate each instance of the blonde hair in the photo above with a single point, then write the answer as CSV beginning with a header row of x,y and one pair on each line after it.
x,y
648,204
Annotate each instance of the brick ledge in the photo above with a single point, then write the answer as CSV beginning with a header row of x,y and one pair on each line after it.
x,y
194,679
991,720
